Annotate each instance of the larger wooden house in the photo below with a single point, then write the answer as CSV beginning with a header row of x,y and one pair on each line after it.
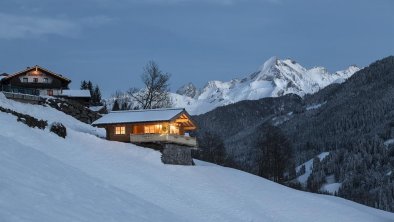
x,y
39,81
36,81
149,126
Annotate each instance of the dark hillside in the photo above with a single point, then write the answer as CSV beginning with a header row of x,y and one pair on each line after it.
x,y
353,120
361,107
235,122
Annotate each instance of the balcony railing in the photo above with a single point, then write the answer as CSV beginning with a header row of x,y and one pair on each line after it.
x,y
24,97
164,138
20,90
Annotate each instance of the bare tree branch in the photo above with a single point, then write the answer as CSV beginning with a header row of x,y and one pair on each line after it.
x,y
155,93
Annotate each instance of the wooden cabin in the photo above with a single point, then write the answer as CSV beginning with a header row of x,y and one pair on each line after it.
x,y
149,126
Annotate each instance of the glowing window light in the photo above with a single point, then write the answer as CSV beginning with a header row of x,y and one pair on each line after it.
x,y
174,129
153,129
120,130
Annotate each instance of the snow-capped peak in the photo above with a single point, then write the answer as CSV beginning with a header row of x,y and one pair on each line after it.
x,y
349,71
274,78
270,63
189,90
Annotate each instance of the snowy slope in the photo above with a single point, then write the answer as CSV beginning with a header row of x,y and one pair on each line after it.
x,y
36,187
275,78
85,178
308,168
330,186
51,115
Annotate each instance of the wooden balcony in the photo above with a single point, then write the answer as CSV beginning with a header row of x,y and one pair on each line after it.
x,y
163,138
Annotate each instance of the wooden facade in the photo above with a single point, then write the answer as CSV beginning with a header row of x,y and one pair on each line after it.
x,y
39,81
35,80
173,130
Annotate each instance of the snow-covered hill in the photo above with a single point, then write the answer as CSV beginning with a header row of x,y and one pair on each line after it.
x,y
85,178
331,186
275,78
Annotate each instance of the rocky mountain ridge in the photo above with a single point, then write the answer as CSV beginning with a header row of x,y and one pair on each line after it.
x,y
273,79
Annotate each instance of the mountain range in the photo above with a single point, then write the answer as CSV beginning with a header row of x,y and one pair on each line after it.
x,y
274,78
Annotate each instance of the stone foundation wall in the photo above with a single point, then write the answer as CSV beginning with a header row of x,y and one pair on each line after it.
x,y
74,109
176,155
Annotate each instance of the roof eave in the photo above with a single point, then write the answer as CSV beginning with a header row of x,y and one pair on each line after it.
x,y
106,124
39,67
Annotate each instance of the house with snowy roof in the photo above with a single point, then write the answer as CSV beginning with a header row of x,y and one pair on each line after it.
x,y
161,126
39,81
81,96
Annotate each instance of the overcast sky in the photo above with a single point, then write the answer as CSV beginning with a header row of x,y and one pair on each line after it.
x,y
110,41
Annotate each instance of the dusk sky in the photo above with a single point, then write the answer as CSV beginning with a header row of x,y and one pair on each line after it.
x,y
109,41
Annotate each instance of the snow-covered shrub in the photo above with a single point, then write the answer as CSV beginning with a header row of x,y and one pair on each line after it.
x,y
59,129
26,119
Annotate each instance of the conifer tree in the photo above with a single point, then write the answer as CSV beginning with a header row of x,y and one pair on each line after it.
x,y
89,86
84,85
96,96
116,107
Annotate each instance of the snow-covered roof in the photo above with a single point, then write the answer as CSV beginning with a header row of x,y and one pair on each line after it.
x,y
3,75
96,108
135,116
36,67
76,93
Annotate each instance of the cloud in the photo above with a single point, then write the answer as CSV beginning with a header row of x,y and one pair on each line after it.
x,y
164,2
19,27
222,2
96,21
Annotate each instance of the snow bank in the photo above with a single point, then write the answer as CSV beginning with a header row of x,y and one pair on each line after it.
x,y
51,115
36,187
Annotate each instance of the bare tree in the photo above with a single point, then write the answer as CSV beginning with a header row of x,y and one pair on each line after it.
x,y
155,93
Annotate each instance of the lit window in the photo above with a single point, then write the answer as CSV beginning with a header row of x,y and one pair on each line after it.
x,y
153,129
149,129
174,129
120,130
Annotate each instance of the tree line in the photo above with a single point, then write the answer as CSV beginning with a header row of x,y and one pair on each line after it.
x,y
275,159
